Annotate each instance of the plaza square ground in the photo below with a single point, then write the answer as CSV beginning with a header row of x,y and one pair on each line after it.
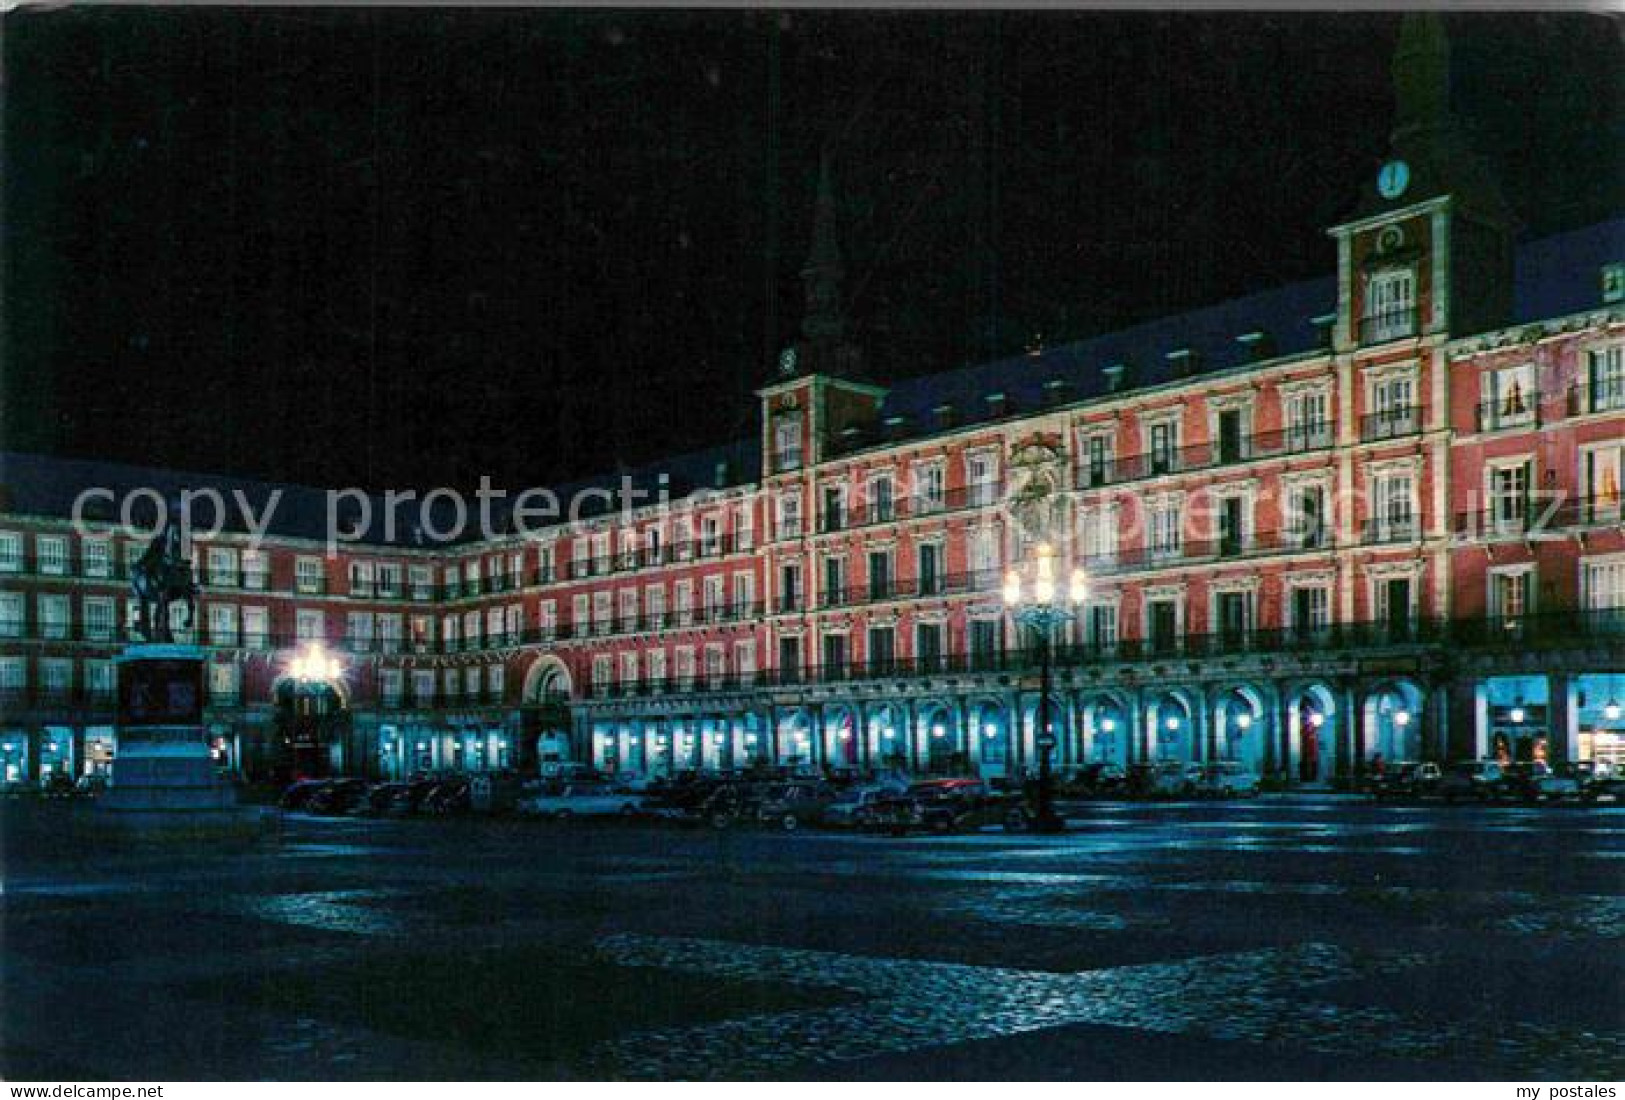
x,y
1285,937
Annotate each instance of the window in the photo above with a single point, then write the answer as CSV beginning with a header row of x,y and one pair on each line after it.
x,y
1508,492
99,679
790,516
790,658
471,630
547,619
880,587
358,631
1309,609
1394,513
603,612
1233,615
883,650
1393,408
685,667
256,569
53,617
629,608
13,674
711,536
97,556
744,594
12,615
834,507
222,566
1162,623
1097,460
1308,419
1602,588
745,659
834,580
223,682
389,579
389,633
1306,516
452,580
928,646
422,686
1230,436
929,487
1390,306
11,552
1509,398
716,664
422,577
1166,529
495,625
787,442
834,656
1235,525
1605,382
1511,593
222,623
685,602
471,681
1100,624
880,498
603,671
930,568
654,603
656,661
629,669
307,576
984,556
981,474
985,643
56,676
745,526
389,685
714,595
53,555
256,628
1396,603
546,563
1600,469
581,614
308,625
1164,436
789,587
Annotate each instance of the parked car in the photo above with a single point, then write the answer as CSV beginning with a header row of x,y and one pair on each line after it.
x,y
300,792
732,802
1536,781
1479,779
792,805
337,798
948,805
855,804
1163,779
1104,779
89,786
1404,778
582,800
1227,779
1598,780
57,786
377,799
408,800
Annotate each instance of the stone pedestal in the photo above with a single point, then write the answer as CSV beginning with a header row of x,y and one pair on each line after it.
x,y
163,775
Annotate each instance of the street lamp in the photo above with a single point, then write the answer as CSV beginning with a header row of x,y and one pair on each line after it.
x,y
1035,601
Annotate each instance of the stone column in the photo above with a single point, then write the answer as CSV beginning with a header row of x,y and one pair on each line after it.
x,y
1562,710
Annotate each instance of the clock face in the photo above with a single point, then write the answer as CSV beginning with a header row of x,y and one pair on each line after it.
x,y
1392,180
787,362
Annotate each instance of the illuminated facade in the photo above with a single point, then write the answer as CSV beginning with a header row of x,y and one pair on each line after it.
x,y
1377,514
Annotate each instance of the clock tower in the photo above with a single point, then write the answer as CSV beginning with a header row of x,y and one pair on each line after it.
x,y
818,390
1430,247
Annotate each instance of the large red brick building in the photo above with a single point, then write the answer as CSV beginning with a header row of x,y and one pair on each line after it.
x,y
1377,513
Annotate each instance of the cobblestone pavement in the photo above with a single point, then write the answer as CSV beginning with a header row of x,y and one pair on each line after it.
x,y
1289,937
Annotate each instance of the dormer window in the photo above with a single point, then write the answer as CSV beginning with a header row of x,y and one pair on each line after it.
x,y
1390,306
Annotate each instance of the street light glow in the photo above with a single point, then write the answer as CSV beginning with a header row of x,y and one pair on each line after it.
x,y
1610,711
315,663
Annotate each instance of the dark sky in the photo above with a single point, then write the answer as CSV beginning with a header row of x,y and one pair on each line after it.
x,y
410,247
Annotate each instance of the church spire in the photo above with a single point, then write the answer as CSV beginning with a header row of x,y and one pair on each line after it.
x,y
1421,72
824,318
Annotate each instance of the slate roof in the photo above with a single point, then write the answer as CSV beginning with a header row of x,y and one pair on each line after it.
x,y
1555,276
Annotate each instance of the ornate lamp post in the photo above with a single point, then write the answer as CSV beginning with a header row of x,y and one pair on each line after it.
x,y
1035,601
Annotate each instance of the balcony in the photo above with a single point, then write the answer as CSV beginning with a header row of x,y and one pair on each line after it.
x,y
1390,424
1390,324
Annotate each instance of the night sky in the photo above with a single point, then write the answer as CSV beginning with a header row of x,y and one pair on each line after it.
x,y
411,247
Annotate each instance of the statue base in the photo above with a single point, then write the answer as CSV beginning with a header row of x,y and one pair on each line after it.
x,y
163,776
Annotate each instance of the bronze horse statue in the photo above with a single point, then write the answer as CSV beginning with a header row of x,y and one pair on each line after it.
x,y
160,577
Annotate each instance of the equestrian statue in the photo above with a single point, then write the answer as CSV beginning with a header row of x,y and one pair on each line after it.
x,y
160,577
